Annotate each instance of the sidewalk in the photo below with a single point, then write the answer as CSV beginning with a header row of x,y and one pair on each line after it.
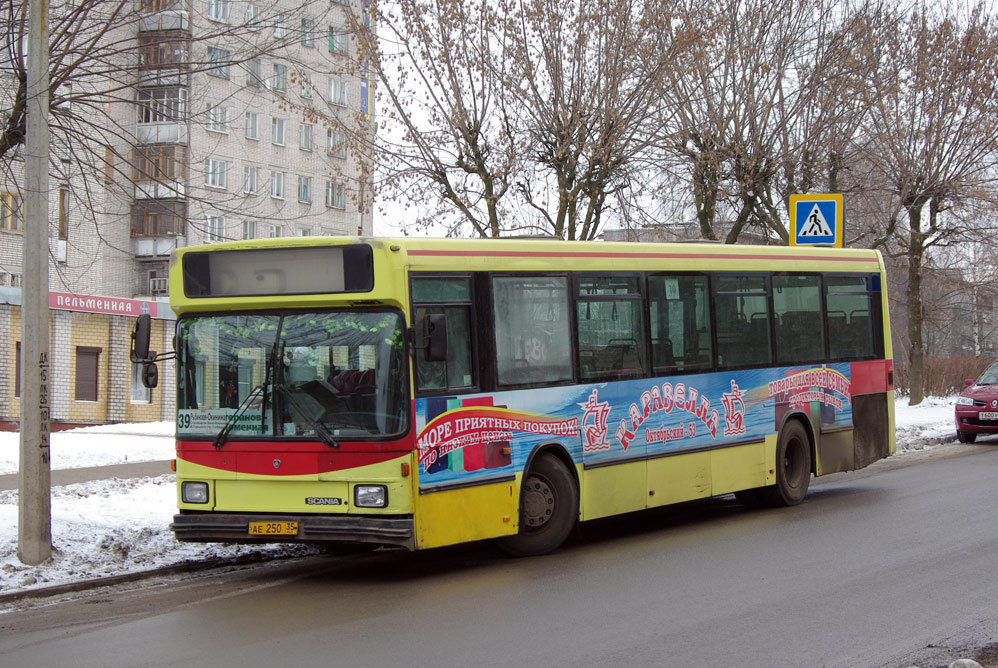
x,y
72,476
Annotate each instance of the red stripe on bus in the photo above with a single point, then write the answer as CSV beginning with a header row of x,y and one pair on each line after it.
x,y
289,463
644,256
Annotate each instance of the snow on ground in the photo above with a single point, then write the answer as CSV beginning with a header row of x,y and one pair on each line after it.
x,y
119,526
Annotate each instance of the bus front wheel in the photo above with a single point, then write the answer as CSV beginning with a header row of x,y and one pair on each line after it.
x,y
549,509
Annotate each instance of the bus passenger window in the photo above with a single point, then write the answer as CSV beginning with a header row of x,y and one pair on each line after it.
x,y
533,329
800,333
742,304
610,319
679,314
851,319
451,297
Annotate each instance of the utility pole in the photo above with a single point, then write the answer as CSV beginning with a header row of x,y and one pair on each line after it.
x,y
34,507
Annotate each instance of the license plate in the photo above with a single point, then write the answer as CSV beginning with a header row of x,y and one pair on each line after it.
x,y
987,415
273,528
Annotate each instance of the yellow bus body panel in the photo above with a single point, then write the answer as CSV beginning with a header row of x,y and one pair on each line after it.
x,y
614,489
451,516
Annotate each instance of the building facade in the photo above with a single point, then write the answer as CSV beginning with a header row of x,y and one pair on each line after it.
x,y
208,120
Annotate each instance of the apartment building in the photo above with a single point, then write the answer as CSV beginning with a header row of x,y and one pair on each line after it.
x,y
208,120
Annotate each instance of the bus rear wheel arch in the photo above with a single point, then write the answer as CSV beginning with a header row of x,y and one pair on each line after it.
x,y
549,508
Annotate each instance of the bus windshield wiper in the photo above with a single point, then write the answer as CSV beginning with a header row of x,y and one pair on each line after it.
x,y
317,425
230,422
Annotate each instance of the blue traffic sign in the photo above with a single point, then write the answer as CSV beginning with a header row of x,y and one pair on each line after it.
x,y
816,220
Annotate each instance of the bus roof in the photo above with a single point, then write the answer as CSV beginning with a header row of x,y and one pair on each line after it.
x,y
389,255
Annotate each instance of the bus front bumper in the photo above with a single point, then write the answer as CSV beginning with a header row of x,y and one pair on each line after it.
x,y
235,528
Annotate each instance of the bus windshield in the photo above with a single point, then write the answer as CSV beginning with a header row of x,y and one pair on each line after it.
x,y
318,375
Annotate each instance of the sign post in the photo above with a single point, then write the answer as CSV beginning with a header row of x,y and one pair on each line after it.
x,y
817,220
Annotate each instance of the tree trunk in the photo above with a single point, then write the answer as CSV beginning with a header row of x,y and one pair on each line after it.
x,y
916,352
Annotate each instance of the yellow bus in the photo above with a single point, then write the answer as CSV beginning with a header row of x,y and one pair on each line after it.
x,y
427,392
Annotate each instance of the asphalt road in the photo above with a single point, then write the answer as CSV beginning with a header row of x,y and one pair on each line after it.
x,y
891,566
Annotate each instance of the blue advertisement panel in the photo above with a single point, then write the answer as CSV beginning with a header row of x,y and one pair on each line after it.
x,y
472,438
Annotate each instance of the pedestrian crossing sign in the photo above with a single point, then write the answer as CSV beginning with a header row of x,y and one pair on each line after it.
x,y
816,220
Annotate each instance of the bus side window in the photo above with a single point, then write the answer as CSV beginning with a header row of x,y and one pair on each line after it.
x,y
800,334
679,314
610,322
532,329
742,303
452,298
850,318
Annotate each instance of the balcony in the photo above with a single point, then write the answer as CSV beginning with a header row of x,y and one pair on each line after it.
x,y
167,20
152,248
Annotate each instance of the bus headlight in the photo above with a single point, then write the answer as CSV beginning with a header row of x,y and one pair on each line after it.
x,y
370,496
194,492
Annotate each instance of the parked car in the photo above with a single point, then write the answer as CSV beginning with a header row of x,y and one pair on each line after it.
x,y
977,406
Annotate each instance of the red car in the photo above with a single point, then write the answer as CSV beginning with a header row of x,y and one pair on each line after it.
x,y
977,406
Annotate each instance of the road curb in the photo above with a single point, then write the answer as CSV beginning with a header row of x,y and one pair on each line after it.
x,y
124,578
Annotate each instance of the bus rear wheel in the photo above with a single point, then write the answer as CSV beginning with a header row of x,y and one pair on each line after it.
x,y
793,471
793,466
549,509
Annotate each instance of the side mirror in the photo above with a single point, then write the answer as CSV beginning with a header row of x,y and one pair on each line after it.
x,y
435,337
150,375
140,339
968,382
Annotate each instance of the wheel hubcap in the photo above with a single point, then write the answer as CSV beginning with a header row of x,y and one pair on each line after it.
x,y
793,464
538,503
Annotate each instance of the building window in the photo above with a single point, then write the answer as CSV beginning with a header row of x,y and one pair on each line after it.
x,y
335,195
280,26
304,232
219,59
337,91
63,212
279,82
11,212
218,118
215,173
337,40
252,125
307,36
277,185
273,231
218,10
254,76
140,393
305,189
162,105
215,228
336,142
277,132
159,218
250,178
254,15
307,84
87,373
249,229
305,137
159,163
17,370
163,50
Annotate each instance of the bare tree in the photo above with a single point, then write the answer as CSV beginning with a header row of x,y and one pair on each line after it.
x,y
448,142
526,116
931,132
585,82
